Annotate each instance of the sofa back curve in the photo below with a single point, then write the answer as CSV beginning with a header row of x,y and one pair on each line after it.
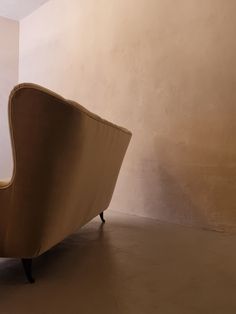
x,y
66,164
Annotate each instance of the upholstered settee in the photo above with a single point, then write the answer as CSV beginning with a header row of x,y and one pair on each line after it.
x,y
66,164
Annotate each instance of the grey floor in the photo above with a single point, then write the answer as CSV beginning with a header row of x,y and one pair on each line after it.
x,y
129,265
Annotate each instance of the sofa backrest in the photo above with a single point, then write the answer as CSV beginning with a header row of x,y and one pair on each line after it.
x,y
67,161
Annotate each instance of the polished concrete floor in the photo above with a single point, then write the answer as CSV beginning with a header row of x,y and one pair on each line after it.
x,y
130,265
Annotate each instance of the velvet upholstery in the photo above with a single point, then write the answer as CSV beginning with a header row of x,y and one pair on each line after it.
x,y
66,164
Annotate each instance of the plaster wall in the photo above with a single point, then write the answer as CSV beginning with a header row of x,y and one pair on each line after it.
x,y
9,57
165,69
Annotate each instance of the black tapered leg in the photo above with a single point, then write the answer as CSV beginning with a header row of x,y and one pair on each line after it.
x,y
27,265
102,217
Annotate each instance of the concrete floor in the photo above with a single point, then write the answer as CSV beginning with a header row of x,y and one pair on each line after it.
x,y
130,265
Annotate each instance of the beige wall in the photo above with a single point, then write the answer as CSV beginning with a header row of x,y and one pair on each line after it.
x,y
9,57
166,69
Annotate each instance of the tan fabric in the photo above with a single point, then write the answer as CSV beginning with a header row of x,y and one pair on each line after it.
x,y
66,163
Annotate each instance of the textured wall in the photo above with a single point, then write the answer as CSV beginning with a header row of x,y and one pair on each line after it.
x,y
9,57
166,69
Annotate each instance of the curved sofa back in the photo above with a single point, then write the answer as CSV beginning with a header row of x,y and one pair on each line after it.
x,y
67,161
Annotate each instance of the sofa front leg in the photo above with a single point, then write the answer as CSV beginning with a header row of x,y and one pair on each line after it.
x,y
102,217
27,265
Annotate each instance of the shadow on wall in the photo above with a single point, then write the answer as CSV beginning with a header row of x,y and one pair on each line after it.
x,y
6,160
189,186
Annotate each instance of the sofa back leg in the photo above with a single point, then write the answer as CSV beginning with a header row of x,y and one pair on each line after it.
x,y
102,217
27,265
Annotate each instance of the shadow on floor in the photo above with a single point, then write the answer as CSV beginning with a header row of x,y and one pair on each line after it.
x,y
76,276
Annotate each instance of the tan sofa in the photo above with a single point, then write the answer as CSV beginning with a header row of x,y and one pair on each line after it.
x,y
66,164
